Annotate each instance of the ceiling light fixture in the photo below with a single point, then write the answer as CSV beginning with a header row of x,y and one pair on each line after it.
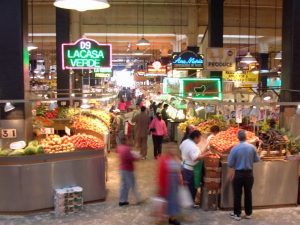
x,y
278,56
8,107
248,59
82,5
30,45
143,41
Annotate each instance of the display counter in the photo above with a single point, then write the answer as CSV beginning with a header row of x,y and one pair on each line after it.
x,y
28,182
275,184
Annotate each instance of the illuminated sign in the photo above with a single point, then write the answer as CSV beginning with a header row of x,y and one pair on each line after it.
x,y
187,60
201,88
220,59
244,77
194,88
161,70
86,54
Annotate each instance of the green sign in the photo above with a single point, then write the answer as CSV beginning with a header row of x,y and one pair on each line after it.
x,y
201,88
171,86
86,54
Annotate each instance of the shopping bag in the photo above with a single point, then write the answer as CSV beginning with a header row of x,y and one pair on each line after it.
x,y
158,207
184,197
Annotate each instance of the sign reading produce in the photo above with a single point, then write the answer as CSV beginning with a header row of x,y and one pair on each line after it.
x,y
201,88
187,60
245,77
220,59
86,54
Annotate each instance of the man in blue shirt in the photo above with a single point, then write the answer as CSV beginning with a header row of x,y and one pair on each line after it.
x,y
241,159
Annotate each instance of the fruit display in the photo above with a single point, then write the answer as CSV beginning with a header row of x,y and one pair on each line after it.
x,y
44,112
88,123
225,140
84,141
100,114
57,144
205,126
192,121
272,139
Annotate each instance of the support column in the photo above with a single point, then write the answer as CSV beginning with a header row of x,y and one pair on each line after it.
x,y
291,50
215,27
62,36
264,65
192,34
14,72
75,28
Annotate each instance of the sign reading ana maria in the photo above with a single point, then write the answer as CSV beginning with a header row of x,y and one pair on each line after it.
x,y
86,53
220,59
187,60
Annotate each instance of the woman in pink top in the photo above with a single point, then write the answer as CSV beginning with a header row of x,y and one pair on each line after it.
x,y
122,105
158,129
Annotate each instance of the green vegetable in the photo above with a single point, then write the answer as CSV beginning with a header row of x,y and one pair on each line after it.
x,y
33,143
39,150
16,152
5,152
30,150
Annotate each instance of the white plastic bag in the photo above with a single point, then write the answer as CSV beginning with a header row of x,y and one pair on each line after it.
x,y
184,197
158,206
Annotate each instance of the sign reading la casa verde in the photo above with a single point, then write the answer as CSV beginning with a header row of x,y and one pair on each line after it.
x,y
86,53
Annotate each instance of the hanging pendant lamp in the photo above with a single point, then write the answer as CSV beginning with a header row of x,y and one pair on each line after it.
x,y
31,45
248,59
278,56
143,41
82,5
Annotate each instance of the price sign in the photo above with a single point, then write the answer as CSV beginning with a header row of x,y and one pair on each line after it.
x,y
63,103
239,115
68,131
47,130
76,104
8,133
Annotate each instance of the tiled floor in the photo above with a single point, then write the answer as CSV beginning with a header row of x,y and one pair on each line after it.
x,y
109,213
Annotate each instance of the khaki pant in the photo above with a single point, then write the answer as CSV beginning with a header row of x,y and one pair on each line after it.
x,y
142,145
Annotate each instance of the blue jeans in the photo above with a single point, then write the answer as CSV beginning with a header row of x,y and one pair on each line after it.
x,y
127,183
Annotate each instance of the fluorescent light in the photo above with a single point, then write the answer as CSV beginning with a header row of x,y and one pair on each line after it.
x,y
127,35
82,5
42,34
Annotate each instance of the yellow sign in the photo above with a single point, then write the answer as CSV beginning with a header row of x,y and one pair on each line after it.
x,y
245,77
220,59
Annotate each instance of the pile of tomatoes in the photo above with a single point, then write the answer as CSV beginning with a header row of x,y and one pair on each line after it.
x,y
225,140
85,141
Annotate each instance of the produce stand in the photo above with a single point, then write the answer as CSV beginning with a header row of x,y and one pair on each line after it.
x,y
275,184
28,182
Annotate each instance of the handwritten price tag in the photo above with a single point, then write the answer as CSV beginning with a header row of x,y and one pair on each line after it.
x,y
47,130
8,133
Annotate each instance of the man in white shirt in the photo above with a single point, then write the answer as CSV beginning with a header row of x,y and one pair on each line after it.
x,y
190,154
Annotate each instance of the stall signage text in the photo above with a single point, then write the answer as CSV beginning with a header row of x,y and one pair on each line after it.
x,y
245,77
187,60
8,133
161,70
86,54
220,59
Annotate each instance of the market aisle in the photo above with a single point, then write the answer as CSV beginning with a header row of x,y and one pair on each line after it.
x,y
109,213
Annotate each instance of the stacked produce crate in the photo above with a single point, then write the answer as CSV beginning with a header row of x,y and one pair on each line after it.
x,y
68,200
212,182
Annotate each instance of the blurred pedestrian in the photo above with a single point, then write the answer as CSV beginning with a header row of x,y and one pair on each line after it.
x,y
128,181
142,124
241,159
191,154
118,126
158,129
122,105
164,113
169,179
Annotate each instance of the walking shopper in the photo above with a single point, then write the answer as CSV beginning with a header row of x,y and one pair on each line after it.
x,y
142,123
118,125
169,179
164,114
159,130
127,173
191,154
241,159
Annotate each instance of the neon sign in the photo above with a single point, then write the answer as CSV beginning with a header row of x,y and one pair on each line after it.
x,y
187,60
86,53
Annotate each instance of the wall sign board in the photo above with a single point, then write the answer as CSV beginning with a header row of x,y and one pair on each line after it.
x,y
187,60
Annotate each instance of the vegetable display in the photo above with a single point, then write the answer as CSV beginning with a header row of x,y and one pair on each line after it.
x,y
84,141
192,121
225,140
205,126
273,139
